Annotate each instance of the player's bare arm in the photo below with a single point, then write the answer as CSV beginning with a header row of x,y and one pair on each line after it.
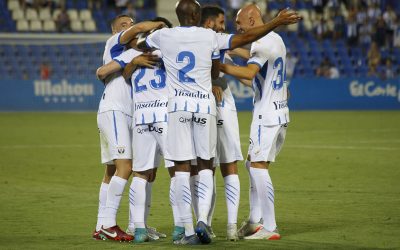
x,y
243,53
241,72
107,69
215,69
248,83
142,27
285,17
217,92
145,60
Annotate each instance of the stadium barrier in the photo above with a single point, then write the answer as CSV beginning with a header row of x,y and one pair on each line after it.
x,y
306,94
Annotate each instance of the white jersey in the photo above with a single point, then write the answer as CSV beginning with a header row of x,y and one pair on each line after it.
x,y
118,93
150,97
187,56
224,44
270,90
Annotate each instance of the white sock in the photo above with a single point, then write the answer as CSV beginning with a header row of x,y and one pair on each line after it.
x,y
131,224
138,201
195,196
114,195
102,204
212,209
149,187
255,208
205,187
232,196
174,205
184,200
265,192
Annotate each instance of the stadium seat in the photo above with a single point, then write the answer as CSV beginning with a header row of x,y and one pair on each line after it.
x,y
76,25
85,15
22,25
18,15
44,14
49,26
73,14
31,14
56,12
36,25
89,26
13,5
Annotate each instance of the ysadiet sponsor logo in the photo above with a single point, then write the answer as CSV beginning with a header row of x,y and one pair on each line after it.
x,y
280,104
152,104
371,89
63,91
197,94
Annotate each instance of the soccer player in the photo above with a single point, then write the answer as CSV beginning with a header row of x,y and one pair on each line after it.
x,y
149,135
150,97
114,121
228,137
266,67
191,58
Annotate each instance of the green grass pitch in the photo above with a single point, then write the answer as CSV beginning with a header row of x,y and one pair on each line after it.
x,y
337,183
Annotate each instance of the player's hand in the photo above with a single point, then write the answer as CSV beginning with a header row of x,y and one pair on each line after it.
x,y
147,60
217,92
287,16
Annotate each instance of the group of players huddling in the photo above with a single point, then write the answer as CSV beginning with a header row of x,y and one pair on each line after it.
x,y
165,97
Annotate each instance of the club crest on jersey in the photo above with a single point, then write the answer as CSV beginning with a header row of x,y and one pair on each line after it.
x,y
121,150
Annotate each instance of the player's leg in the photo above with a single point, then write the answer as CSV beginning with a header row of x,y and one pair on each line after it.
x,y
180,149
205,133
194,179
229,172
115,126
229,152
212,209
145,161
179,230
109,172
269,144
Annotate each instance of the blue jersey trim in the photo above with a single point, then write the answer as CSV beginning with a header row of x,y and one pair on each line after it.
x,y
259,134
256,63
279,119
198,108
143,121
115,128
116,50
121,63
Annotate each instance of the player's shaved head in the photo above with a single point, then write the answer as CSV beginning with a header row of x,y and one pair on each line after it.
x,y
248,17
120,23
188,12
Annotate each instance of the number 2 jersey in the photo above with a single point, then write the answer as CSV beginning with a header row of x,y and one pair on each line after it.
x,y
270,90
150,97
187,55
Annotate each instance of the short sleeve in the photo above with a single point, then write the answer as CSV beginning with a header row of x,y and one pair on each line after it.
x,y
258,54
154,40
215,47
126,57
224,41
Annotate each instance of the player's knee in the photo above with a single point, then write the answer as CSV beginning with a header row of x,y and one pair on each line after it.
x,y
229,169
